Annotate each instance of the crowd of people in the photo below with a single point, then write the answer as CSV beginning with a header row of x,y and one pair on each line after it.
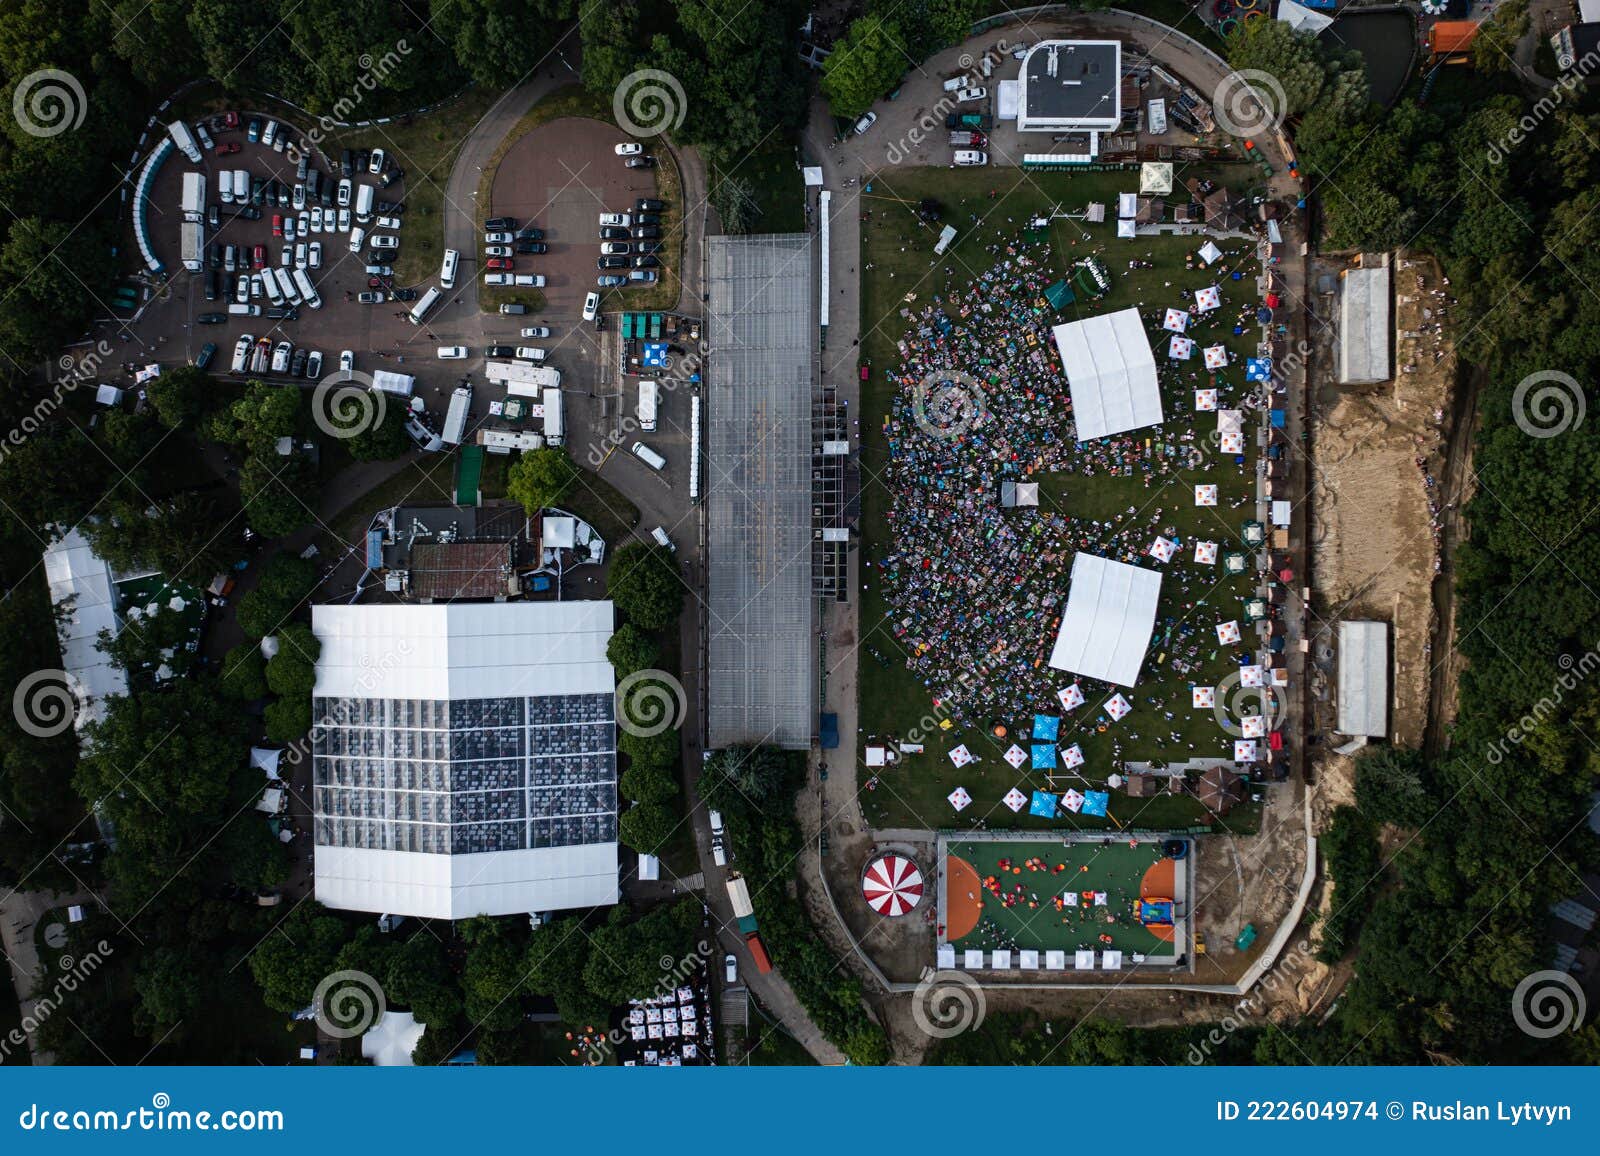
x,y
975,591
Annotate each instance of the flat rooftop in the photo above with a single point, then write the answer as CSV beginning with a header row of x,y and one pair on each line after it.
x,y
761,378
1068,82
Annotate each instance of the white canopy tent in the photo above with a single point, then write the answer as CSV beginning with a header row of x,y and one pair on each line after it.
x,y
390,1042
1105,629
1301,18
1111,372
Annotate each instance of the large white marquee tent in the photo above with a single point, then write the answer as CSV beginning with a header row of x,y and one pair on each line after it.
x,y
1105,629
1111,372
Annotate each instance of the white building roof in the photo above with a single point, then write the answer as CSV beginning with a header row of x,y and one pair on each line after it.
x,y
79,577
1364,679
1362,353
463,650
1105,629
1111,372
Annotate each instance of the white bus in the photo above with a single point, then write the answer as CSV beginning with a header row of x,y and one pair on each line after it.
x,y
285,282
422,307
554,424
455,419
447,271
270,284
648,395
307,290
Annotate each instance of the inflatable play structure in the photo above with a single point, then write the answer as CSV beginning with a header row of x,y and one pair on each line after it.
x,y
1156,912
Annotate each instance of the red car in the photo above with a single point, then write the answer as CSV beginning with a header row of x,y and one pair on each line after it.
x,y
231,120
258,257
277,224
502,263
227,148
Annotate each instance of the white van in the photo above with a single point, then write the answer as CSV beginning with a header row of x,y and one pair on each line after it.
x,y
270,133
303,283
241,187
422,307
955,83
649,456
447,271
968,157
499,279
660,535
452,353
364,196
531,280
358,237
239,309
274,294
716,821
286,283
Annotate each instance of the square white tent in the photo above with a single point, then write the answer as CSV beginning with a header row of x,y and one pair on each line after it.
x,y
1111,372
1105,629
972,960
946,956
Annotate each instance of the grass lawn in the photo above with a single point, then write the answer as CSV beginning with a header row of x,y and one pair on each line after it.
x,y
893,701
575,100
777,185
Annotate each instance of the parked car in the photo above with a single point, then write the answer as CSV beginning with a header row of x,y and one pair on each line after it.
x,y
497,250
317,219
277,224
301,259
619,219
649,205
613,233
647,219
343,196
404,294
286,256
499,279
314,255
344,221
615,249
211,319
253,134
971,95
641,162
289,229
375,162
529,233
384,242
497,237
258,257
536,331
452,353
866,122
531,353
646,262
610,281
730,968
499,351
280,357
314,364
629,149
499,263
532,247
387,223
227,148
966,158
297,198
213,218
591,306
611,263
370,298
241,352
500,223
644,276
535,280
646,233
297,363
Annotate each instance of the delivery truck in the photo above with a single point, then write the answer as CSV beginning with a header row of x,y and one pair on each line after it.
x,y
522,378
184,139
554,420
193,237
194,196
455,418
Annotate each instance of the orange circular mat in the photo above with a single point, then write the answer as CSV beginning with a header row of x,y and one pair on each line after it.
x,y
963,898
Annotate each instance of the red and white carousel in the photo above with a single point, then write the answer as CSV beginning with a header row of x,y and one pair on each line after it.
x,y
892,884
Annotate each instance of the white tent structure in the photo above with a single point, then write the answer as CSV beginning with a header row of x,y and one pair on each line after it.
x,y
467,761
390,1042
1111,372
82,583
1363,686
1105,629
1301,18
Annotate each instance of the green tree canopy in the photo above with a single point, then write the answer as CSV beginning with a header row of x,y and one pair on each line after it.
x,y
643,582
540,478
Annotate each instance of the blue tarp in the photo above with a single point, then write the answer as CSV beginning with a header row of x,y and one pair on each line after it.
x,y
1044,756
1095,802
1043,805
1258,369
1278,419
1046,727
830,732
